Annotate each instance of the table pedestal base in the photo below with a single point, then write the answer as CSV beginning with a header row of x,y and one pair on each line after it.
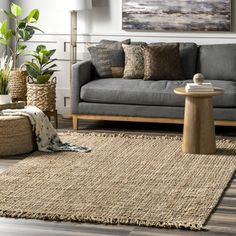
x,y
199,129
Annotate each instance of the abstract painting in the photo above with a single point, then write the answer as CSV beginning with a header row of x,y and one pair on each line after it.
x,y
176,15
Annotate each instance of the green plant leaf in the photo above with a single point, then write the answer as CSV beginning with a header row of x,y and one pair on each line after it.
x,y
21,24
41,64
32,69
3,27
20,48
36,57
51,52
4,41
49,62
42,79
16,10
49,72
8,35
26,34
5,34
36,28
52,66
40,47
33,16
41,56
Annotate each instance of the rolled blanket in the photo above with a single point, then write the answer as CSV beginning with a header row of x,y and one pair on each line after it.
x,y
47,138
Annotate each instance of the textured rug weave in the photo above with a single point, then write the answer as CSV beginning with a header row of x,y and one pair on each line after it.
x,y
131,180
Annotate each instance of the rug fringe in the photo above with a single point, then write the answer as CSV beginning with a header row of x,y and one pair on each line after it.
x,y
135,136
121,135
100,220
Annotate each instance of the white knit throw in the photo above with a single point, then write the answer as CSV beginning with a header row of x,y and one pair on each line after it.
x,y
47,138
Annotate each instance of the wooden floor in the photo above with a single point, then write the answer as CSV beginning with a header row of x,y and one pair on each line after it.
x,y
221,222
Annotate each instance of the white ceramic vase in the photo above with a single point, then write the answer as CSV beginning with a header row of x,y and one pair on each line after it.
x,y
4,99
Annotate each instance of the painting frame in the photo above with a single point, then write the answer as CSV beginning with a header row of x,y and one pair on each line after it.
x,y
131,25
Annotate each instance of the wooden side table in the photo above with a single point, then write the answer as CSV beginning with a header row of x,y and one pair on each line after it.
x,y
199,129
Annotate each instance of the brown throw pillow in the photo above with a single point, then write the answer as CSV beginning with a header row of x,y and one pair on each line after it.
x,y
162,62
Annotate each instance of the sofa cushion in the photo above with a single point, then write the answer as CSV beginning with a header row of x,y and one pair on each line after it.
x,y
108,59
158,59
188,58
218,62
140,92
134,65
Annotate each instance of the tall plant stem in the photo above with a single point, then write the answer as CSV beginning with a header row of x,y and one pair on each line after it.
x,y
15,46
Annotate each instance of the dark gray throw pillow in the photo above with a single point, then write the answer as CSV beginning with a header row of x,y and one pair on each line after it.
x,y
108,58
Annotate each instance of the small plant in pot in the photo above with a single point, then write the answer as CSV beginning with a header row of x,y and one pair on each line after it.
x,y
14,39
41,87
5,68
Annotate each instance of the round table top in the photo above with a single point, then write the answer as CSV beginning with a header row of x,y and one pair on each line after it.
x,y
181,91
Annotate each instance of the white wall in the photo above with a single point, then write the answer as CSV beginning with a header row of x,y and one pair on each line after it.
x,y
103,21
4,4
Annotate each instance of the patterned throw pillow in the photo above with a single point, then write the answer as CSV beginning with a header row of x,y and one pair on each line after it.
x,y
162,62
108,59
133,62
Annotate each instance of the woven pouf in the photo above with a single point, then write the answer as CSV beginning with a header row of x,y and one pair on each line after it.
x,y
16,136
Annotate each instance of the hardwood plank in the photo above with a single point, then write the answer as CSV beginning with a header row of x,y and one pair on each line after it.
x,y
231,192
226,210
223,218
67,226
172,232
228,202
223,230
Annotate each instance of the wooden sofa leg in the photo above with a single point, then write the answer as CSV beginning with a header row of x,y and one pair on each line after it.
x,y
75,122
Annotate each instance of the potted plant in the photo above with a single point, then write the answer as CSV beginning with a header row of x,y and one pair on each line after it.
x,y
41,87
5,68
14,38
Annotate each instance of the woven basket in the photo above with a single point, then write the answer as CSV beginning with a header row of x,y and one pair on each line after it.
x,y
42,96
17,84
16,136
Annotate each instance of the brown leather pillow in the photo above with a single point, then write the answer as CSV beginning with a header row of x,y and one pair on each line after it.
x,y
162,62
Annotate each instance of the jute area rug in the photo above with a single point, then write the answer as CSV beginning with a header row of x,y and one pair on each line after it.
x,y
143,180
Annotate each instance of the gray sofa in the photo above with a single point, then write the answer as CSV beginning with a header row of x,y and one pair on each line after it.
x,y
155,101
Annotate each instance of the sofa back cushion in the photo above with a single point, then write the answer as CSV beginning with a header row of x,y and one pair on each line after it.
x,y
188,58
218,62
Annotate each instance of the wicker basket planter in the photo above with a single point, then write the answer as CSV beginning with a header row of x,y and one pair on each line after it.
x,y
42,96
17,84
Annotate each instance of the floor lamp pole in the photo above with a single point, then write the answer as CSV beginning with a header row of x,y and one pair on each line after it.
x,y
73,40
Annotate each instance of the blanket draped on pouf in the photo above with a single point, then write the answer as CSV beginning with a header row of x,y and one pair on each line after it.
x,y
47,138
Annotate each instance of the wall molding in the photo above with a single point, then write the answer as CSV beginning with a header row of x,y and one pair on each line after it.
x,y
200,35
